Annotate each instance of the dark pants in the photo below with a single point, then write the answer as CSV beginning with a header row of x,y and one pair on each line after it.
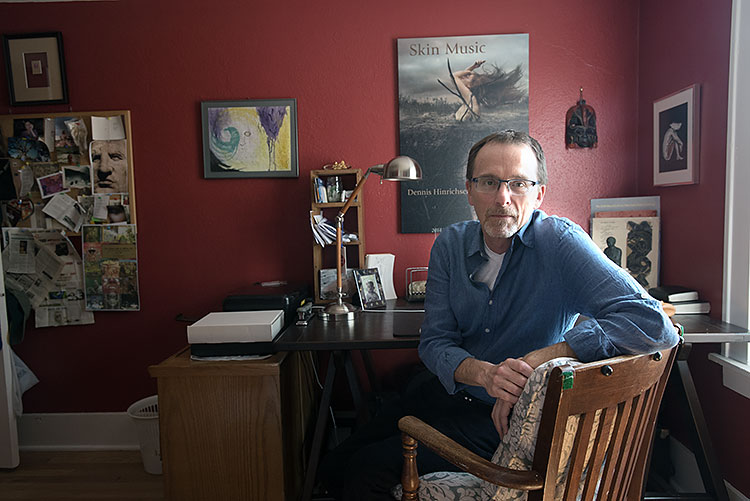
x,y
368,464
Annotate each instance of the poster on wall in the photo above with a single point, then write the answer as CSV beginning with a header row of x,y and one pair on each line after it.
x,y
110,267
454,91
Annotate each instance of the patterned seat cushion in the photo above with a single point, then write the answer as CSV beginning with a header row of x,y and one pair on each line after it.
x,y
516,450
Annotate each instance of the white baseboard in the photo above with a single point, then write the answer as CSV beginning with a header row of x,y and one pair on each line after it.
x,y
87,431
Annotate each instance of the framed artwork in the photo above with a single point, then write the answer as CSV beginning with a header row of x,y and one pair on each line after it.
x,y
35,67
255,138
328,284
370,288
631,243
677,137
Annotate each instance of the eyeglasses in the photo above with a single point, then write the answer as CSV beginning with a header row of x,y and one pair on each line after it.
x,y
489,184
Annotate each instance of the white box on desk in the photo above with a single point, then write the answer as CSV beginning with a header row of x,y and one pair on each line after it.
x,y
236,327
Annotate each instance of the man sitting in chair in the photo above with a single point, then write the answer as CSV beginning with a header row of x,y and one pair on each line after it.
x,y
511,283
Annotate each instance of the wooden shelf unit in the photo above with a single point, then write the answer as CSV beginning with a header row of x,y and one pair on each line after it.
x,y
354,222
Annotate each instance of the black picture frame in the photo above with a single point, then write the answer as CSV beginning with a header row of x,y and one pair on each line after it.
x,y
35,68
677,137
370,288
241,138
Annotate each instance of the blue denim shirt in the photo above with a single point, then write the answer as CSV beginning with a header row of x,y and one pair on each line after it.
x,y
551,273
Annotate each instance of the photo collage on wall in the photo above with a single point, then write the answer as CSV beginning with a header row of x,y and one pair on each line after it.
x,y
60,173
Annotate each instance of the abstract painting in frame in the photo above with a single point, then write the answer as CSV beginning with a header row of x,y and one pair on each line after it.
x,y
677,137
35,68
256,138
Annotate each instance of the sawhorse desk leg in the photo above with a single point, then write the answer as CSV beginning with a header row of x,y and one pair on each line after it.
x,y
337,360
320,428
681,381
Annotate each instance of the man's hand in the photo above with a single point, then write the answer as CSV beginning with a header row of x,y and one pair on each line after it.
x,y
504,381
500,412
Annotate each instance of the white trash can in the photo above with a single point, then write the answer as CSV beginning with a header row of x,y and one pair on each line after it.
x,y
145,415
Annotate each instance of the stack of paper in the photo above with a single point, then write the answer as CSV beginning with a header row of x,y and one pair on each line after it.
x,y
323,230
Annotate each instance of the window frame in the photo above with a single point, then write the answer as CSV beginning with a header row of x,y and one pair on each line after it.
x,y
735,357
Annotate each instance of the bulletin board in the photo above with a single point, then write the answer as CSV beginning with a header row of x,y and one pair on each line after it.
x,y
64,155
63,177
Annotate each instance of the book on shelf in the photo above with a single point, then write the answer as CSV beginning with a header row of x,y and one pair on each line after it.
x,y
692,307
321,194
673,293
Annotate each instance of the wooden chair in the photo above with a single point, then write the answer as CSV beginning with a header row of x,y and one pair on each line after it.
x,y
617,401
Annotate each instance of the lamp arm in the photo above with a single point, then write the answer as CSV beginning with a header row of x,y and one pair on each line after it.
x,y
375,168
340,224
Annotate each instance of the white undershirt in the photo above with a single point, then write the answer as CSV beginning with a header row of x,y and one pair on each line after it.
x,y
487,273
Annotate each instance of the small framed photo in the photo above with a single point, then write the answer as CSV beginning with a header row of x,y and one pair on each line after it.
x,y
35,67
370,288
328,284
255,138
677,137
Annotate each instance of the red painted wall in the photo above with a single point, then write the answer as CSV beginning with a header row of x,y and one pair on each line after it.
x,y
682,43
200,239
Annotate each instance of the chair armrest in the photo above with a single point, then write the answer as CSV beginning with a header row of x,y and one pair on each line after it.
x,y
468,461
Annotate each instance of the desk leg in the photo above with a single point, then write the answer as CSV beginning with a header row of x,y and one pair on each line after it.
x,y
354,387
371,376
320,428
681,382
705,456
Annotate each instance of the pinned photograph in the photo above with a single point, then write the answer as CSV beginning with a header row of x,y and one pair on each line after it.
x,y
109,166
79,133
78,176
30,128
110,268
63,139
52,184
30,150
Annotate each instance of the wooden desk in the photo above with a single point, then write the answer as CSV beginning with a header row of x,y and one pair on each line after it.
x,y
234,430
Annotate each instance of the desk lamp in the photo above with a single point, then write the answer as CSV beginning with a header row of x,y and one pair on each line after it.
x,y
401,168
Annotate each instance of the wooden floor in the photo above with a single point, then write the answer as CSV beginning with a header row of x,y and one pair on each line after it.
x,y
62,476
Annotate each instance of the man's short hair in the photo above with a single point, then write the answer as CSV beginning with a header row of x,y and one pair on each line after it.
x,y
510,136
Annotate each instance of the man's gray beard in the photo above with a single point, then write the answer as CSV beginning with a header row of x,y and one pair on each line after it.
x,y
499,229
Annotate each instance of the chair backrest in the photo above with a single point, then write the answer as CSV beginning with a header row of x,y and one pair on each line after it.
x,y
615,403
